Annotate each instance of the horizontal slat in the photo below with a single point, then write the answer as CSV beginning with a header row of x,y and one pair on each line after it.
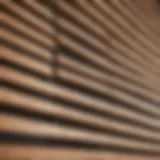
x,y
25,61
83,20
112,27
26,15
79,74
90,55
26,44
26,102
149,22
96,74
103,89
58,91
42,10
36,152
125,24
146,26
103,63
28,31
30,82
67,10
101,46
31,127
48,13
98,32
149,45
149,10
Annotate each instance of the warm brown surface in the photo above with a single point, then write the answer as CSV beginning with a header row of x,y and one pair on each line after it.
x,y
83,72
12,152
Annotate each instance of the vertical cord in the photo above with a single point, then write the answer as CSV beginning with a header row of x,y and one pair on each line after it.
x,y
58,46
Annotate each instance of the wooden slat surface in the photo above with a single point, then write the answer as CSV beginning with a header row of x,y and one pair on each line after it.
x,y
59,110
29,127
48,88
41,153
79,80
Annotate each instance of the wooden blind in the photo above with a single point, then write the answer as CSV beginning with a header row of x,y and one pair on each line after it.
x,y
80,80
